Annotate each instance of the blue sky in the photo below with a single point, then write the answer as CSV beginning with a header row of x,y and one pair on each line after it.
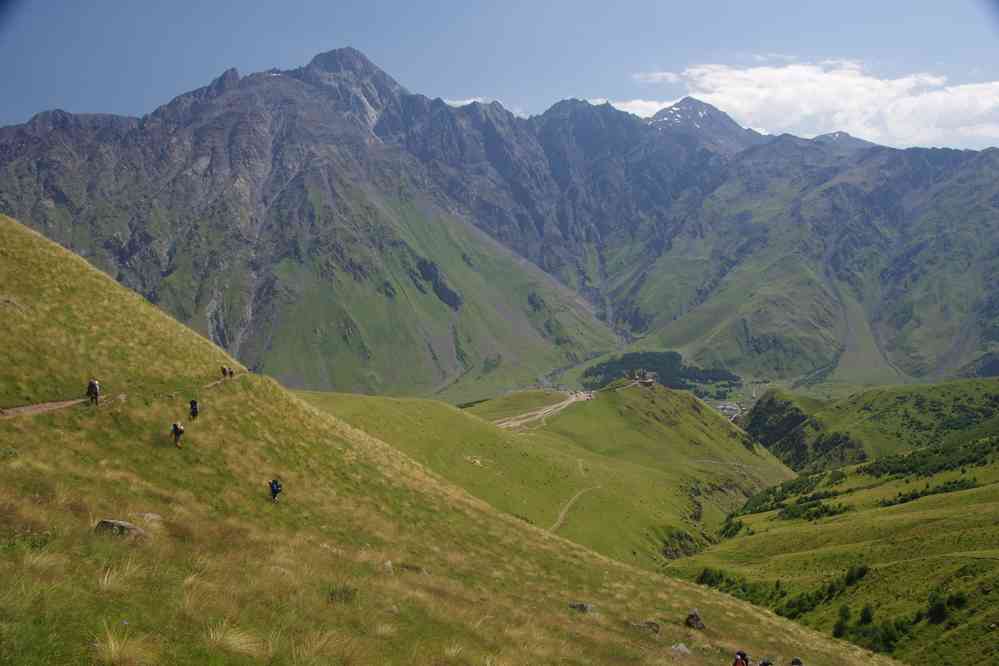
x,y
903,73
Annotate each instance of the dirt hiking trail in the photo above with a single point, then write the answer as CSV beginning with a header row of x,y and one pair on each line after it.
x,y
42,407
568,505
521,420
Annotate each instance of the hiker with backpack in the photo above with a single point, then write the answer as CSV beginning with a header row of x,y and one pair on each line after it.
x,y
225,372
194,410
275,488
740,659
177,430
796,662
94,391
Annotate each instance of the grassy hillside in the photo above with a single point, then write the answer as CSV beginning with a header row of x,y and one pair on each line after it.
x,y
65,322
639,474
515,403
922,525
441,310
811,435
369,558
799,266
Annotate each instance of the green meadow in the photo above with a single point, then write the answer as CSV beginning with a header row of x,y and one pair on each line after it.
x,y
370,557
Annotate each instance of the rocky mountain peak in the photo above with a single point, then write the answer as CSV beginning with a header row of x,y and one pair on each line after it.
x,y
228,80
346,59
349,64
691,116
356,86
843,142
690,111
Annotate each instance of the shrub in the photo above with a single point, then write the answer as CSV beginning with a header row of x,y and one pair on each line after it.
x,y
811,510
935,459
855,573
844,613
777,496
730,528
948,487
936,612
835,476
867,615
341,593
760,594
957,600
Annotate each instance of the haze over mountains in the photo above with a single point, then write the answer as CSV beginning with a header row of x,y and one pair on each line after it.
x,y
326,226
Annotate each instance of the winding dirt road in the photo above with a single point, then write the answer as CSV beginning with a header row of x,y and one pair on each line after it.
x,y
540,414
568,505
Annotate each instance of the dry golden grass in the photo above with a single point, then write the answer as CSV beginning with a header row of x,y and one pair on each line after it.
x,y
231,638
116,647
116,577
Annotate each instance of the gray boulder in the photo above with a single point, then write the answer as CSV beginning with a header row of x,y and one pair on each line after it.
x,y
118,528
694,620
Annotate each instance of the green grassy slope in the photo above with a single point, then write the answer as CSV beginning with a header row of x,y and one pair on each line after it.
x,y
368,559
872,423
800,269
383,325
941,544
51,349
644,472
516,403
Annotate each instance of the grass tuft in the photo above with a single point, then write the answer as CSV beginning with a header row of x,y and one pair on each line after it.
x,y
231,638
116,647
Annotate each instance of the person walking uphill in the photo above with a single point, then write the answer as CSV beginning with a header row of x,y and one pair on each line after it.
x,y
177,430
740,659
275,488
194,410
94,391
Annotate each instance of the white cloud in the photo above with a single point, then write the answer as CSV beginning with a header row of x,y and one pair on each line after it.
x,y
643,108
815,98
657,77
466,102
767,57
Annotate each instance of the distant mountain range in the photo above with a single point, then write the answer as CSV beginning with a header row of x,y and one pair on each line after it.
x,y
326,225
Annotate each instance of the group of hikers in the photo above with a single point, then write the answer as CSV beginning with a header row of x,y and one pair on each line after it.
x,y
275,487
741,659
177,428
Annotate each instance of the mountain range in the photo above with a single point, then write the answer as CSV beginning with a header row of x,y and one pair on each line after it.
x,y
329,227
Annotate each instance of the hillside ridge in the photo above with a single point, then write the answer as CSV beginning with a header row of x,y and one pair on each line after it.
x,y
341,569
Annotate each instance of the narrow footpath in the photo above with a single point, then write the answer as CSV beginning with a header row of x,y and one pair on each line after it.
x,y
568,505
42,407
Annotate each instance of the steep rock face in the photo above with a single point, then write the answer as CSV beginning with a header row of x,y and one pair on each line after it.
x,y
244,205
